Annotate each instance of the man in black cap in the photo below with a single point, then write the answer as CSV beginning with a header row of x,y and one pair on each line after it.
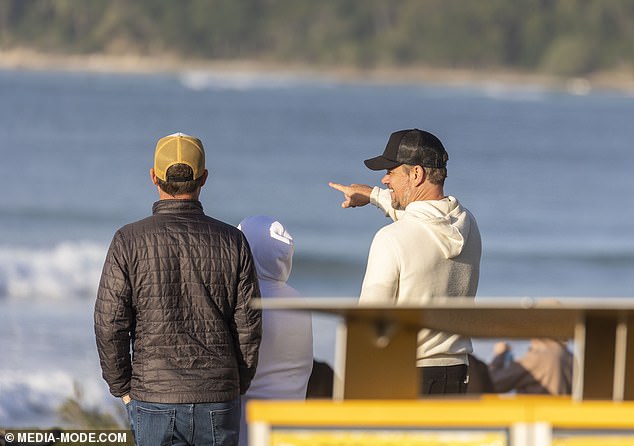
x,y
432,249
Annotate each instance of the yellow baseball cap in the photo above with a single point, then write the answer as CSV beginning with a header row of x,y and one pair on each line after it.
x,y
179,148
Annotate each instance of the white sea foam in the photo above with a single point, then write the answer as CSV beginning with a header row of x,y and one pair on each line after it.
x,y
67,270
26,396
512,92
35,398
246,80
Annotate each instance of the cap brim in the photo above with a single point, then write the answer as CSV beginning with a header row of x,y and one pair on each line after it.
x,y
381,163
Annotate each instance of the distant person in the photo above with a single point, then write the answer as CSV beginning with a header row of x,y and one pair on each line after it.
x,y
546,368
286,351
177,338
431,250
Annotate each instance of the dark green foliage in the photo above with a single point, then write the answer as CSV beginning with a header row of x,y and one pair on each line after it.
x,y
568,37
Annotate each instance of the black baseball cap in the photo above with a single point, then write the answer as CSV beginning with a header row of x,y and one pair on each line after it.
x,y
414,147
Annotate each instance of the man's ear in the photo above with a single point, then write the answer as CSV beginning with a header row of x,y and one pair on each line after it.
x,y
153,176
203,178
417,174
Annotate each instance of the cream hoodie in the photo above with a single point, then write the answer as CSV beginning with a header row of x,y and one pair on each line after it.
x,y
431,250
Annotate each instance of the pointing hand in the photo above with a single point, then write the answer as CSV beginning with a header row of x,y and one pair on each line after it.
x,y
354,194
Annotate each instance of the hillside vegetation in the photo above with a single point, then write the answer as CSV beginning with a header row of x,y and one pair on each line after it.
x,y
562,37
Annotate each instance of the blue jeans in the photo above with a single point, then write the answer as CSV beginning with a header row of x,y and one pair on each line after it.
x,y
204,424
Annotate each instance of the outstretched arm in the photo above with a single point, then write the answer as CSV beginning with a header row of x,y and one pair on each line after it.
x,y
361,194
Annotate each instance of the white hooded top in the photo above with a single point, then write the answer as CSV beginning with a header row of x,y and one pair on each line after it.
x,y
286,351
431,250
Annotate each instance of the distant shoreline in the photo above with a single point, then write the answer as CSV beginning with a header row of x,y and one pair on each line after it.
x,y
25,59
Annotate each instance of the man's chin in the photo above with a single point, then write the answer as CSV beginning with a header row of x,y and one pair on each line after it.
x,y
396,205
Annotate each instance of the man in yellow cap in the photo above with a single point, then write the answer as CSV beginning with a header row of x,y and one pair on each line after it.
x,y
175,292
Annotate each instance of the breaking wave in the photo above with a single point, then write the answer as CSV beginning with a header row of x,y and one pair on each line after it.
x,y
67,270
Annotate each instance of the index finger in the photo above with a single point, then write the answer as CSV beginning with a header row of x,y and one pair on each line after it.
x,y
339,187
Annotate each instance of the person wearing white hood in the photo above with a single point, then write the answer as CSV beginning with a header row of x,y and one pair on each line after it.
x,y
431,250
286,350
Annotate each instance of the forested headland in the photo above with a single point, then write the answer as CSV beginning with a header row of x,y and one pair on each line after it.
x,y
555,37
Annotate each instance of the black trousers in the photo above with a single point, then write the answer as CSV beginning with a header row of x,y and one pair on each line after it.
x,y
442,380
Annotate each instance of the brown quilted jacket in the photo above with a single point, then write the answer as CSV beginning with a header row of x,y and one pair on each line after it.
x,y
177,286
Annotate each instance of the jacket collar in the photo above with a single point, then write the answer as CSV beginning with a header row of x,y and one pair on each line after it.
x,y
177,207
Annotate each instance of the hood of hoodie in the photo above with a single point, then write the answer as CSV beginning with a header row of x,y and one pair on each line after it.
x,y
271,245
447,221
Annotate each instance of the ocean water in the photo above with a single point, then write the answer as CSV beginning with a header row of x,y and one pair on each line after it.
x,y
547,174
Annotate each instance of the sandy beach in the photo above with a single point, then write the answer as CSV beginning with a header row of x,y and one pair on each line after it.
x,y
26,59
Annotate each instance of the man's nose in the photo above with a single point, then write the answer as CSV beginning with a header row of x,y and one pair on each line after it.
x,y
385,180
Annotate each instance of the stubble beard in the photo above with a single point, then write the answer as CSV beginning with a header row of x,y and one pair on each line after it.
x,y
401,204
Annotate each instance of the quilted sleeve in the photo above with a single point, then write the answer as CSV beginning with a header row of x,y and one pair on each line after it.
x,y
248,321
114,320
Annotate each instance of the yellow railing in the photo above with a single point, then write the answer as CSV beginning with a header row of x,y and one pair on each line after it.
x,y
489,420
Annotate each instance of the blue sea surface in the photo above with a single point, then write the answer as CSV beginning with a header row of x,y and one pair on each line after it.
x,y
546,173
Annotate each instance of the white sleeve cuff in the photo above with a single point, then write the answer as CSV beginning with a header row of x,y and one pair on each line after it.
x,y
374,196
